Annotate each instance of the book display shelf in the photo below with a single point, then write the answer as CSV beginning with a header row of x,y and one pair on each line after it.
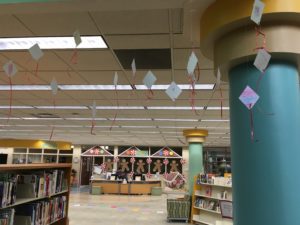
x,y
34,194
30,155
206,201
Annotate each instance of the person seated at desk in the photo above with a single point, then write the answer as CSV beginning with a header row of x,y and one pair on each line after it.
x,y
121,175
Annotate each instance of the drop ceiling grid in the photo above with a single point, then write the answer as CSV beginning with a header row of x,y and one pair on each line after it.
x,y
98,67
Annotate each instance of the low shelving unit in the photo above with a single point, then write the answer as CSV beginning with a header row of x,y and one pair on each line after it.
x,y
206,203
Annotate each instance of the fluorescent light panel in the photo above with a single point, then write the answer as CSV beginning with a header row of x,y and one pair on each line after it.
x,y
99,87
119,107
24,43
217,108
176,120
173,108
215,120
16,107
61,107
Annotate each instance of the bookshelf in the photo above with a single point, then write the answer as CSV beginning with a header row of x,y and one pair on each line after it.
x,y
205,203
39,188
30,155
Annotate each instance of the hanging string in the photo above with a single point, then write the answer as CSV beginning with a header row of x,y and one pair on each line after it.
x,y
93,126
252,124
150,94
221,94
259,34
53,126
36,69
10,99
74,57
117,110
51,135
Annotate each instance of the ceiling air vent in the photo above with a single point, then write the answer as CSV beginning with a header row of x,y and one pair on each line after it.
x,y
145,59
45,115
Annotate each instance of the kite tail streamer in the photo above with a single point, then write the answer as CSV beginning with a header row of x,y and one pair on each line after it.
x,y
74,57
10,99
92,127
36,69
116,114
252,125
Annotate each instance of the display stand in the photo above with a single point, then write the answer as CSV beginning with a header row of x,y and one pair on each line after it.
x,y
50,194
206,203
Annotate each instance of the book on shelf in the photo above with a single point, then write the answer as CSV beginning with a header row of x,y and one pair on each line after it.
x,y
8,189
35,185
207,204
41,212
7,217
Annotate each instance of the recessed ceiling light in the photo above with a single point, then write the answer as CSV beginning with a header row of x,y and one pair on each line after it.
x,y
24,43
176,120
99,87
61,107
16,107
214,120
217,108
120,107
131,119
173,108
86,119
36,118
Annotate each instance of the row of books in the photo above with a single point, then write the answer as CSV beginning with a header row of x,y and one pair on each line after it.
x,y
37,185
8,189
38,213
207,204
212,179
42,212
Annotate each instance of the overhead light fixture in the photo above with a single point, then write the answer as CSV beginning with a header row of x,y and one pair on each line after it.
x,y
217,108
147,127
215,120
24,43
176,120
131,119
16,107
174,108
36,118
86,119
120,107
69,87
61,107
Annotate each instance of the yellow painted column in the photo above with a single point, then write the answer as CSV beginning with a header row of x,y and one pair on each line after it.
x,y
195,138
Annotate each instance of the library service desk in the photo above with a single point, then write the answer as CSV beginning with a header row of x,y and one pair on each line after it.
x,y
131,188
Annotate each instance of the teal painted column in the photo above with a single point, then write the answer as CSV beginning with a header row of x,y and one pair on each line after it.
x,y
266,172
195,162
195,138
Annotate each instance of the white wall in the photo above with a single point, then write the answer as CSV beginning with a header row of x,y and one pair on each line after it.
x,y
76,165
185,167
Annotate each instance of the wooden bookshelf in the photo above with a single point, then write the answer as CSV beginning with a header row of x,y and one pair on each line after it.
x,y
25,168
